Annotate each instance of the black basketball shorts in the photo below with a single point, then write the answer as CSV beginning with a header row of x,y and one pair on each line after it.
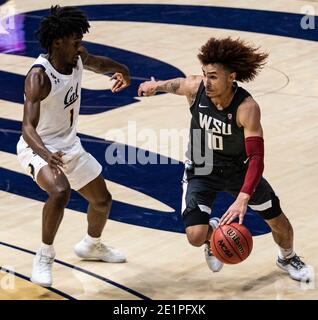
x,y
199,193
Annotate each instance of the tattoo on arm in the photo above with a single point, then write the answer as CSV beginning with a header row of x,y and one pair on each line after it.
x,y
170,86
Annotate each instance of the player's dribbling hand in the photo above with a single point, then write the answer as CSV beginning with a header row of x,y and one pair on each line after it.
x,y
122,81
147,88
237,209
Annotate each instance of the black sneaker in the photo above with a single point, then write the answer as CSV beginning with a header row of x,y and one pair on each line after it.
x,y
297,269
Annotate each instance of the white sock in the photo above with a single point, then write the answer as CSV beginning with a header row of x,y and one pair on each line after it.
x,y
48,250
92,240
285,253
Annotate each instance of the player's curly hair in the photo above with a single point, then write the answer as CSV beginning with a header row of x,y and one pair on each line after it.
x,y
62,22
235,55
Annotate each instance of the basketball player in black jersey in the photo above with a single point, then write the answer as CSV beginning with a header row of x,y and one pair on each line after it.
x,y
226,129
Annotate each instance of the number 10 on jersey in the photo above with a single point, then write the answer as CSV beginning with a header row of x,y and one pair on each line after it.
x,y
215,142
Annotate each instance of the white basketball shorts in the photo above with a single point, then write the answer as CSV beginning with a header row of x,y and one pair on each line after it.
x,y
80,167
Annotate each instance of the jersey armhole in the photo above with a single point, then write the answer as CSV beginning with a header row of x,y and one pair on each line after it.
x,y
44,69
198,95
36,66
243,95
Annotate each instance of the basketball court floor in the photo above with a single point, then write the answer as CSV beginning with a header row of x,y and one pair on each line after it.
x,y
161,39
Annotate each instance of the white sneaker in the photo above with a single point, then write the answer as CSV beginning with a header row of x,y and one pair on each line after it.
x,y
91,251
42,269
296,268
213,263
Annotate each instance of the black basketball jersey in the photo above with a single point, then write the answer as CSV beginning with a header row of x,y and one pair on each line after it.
x,y
216,131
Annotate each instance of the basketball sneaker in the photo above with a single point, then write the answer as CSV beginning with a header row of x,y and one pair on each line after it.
x,y
213,263
296,268
42,269
88,250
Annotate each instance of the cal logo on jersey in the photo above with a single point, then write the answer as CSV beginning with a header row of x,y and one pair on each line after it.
x,y
71,96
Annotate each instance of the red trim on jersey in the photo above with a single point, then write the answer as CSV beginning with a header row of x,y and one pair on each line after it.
x,y
254,147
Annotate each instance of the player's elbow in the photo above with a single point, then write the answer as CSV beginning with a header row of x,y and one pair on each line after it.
x,y
27,130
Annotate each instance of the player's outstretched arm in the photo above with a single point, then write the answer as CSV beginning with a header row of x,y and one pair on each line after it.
x,y
181,86
104,65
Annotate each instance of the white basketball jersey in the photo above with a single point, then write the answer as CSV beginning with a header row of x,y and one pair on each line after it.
x,y
59,110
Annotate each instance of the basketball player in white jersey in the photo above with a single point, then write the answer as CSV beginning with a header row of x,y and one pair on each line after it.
x,y
49,149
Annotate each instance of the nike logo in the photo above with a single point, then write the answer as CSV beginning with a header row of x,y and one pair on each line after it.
x,y
202,106
245,161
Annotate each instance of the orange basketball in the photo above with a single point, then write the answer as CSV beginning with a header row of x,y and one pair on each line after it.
x,y
231,243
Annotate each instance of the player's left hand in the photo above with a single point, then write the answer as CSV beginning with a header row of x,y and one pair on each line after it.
x,y
122,81
237,209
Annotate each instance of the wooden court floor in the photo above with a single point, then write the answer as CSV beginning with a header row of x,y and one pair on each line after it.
x,y
160,263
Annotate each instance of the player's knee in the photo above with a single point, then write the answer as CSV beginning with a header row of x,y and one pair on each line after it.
x,y
280,223
275,223
103,205
61,196
195,237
